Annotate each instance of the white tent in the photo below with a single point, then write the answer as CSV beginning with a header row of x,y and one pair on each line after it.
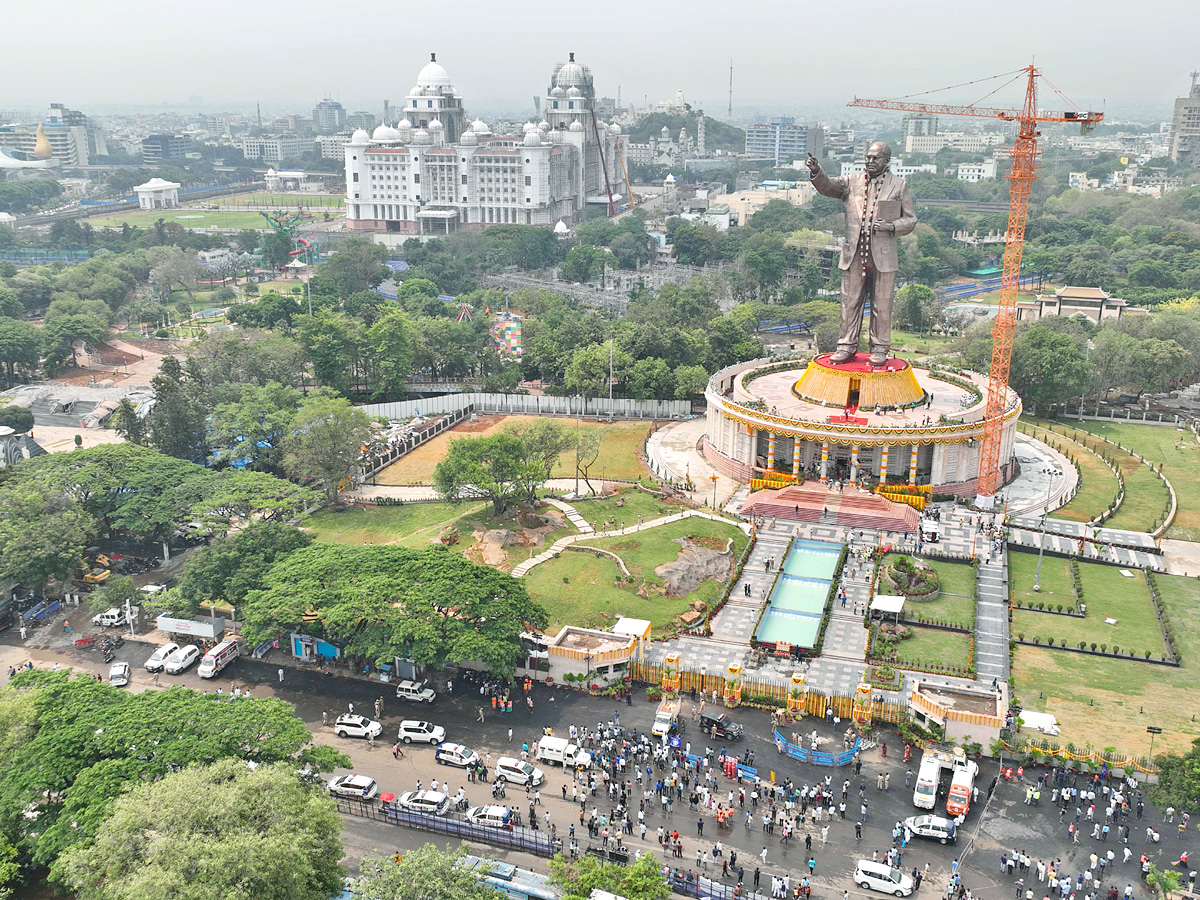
x,y
1043,722
887,603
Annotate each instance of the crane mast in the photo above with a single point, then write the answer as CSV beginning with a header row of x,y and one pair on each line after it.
x,y
1020,179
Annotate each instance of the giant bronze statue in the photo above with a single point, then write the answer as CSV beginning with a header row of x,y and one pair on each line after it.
x,y
878,208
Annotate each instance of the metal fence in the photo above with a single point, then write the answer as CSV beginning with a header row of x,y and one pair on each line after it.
x,y
532,405
523,839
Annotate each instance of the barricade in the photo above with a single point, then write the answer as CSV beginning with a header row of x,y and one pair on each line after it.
x,y
816,757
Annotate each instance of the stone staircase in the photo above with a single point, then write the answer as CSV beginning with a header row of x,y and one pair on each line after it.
x,y
991,618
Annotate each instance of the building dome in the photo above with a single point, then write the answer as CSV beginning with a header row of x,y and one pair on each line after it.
x,y
665,134
404,124
544,125
560,227
433,75
576,126
421,137
533,138
573,92
614,129
435,125
528,127
480,127
570,74
468,139
360,136
385,133
557,93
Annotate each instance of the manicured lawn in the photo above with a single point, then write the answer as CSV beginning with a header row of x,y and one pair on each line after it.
x,y
633,503
188,218
1109,702
280,201
618,452
920,344
1097,483
410,525
1055,582
1145,495
955,605
1181,466
935,647
595,593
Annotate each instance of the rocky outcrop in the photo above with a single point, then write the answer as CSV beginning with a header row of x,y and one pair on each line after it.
x,y
683,575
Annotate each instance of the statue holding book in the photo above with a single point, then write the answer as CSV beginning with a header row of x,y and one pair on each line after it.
x,y
878,208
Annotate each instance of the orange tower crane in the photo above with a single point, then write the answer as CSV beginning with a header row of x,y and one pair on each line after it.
x,y
1024,167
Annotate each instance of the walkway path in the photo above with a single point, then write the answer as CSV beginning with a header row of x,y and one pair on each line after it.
x,y
991,617
562,544
672,455
573,516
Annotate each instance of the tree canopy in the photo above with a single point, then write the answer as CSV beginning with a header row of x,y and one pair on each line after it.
x,y
235,564
426,873
379,602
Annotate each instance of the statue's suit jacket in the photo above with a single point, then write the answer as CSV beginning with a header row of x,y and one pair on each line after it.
x,y
852,190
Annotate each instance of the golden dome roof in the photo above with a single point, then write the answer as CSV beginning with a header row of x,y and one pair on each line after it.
x,y
41,146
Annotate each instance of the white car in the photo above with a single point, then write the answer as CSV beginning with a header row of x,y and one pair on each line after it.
x,y
357,787
435,803
416,691
357,726
422,732
449,754
934,827
118,674
491,815
517,771
158,659
182,659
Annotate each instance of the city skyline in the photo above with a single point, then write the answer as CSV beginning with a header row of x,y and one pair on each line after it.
x,y
202,57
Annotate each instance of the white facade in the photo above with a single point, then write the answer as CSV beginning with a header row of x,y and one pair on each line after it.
x,y
955,140
436,172
898,168
157,194
981,171
333,146
275,147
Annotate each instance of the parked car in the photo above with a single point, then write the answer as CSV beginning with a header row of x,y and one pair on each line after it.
x,y
426,732
934,827
158,659
883,878
449,754
182,659
356,787
491,815
517,771
435,803
118,674
111,618
720,726
415,691
357,726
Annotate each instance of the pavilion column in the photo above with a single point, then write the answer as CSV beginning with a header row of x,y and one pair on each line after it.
x,y
825,462
796,444
771,451
912,464
883,461
854,464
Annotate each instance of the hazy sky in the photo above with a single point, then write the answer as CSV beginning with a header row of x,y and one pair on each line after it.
x,y
499,53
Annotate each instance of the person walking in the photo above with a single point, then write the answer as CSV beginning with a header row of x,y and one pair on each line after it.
x,y
281,676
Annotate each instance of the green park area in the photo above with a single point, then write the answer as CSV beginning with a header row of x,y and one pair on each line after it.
x,y
1107,702
623,508
1119,613
955,601
1177,451
188,218
618,456
1097,483
934,647
583,588
289,200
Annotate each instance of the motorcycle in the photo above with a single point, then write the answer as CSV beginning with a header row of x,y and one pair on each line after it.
x,y
119,642
109,656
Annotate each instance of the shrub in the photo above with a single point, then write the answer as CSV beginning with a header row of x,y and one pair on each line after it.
x,y
1116,649
1104,648
1041,605
1093,646
1060,607
1020,635
1082,644
1147,654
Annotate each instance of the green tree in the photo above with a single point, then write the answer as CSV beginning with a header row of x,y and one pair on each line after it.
x,y
1047,367
378,602
251,430
326,442
914,303
20,348
583,263
641,880
651,378
690,381
415,290
588,372
62,334
276,249
10,303
231,566
43,533
542,443
426,873
390,342
356,265
488,467
221,830
1178,779
116,591
1152,272
176,424
334,343
1164,881
18,418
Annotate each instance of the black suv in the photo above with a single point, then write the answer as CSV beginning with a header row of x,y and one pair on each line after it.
x,y
719,725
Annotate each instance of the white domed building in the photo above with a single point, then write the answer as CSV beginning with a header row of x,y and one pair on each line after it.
x,y
437,171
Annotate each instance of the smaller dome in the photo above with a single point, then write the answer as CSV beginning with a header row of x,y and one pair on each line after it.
x,y
528,127
560,227
533,138
435,125
480,127
573,92
665,134
360,136
576,126
570,74
557,92
421,137
404,125
544,125
614,128
468,139
385,133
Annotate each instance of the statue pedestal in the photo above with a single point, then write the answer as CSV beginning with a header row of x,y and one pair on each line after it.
x,y
856,383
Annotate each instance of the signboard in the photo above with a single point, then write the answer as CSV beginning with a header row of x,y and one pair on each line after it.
x,y
212,629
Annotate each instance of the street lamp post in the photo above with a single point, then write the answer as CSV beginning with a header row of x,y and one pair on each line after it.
x,y
713,479
1153,730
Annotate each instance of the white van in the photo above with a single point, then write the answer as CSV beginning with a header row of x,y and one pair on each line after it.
x,y
562,752
492,816
218,658
882,877
110,618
